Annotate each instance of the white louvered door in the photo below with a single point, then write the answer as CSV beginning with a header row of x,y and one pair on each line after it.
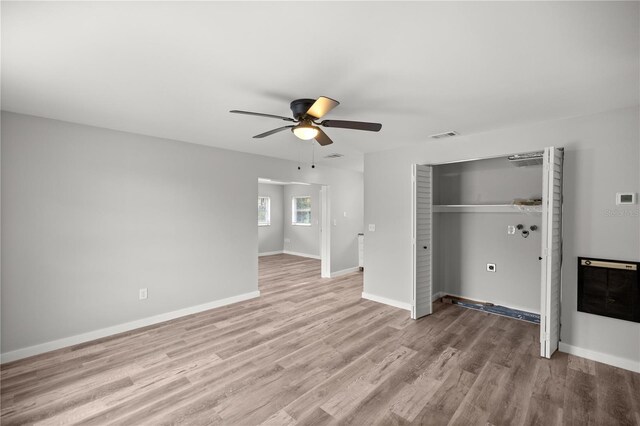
x,y
551,251
422,240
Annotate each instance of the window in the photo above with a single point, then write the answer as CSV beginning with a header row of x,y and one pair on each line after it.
x,y
264,211
301,211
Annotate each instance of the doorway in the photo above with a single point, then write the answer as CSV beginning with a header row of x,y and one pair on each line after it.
x,y
294,219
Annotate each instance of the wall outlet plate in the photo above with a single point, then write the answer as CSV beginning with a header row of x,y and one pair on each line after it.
x,y
372,228
142,294
511,230
491,267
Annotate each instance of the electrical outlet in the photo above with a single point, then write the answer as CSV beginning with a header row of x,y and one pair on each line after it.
x,y
511,230
142,294
372,228
491,267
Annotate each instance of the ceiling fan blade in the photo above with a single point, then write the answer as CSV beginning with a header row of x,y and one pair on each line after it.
x,y
259,114
271,132
321,106
322,138
356,125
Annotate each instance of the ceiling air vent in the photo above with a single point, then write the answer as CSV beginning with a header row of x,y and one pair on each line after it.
x,y
334,155
444,135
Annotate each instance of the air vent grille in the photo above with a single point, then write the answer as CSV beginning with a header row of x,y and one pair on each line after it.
x,y
334,155
526,159
444,135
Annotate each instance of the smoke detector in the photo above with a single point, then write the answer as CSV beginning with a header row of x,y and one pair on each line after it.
x,y
449,134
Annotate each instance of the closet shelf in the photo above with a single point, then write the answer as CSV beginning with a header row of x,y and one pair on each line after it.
x,y
485,208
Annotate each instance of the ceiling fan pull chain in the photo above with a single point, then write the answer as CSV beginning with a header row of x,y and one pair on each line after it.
x,y
313,155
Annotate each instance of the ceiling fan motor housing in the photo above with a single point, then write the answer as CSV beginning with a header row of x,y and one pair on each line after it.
x,y
299,107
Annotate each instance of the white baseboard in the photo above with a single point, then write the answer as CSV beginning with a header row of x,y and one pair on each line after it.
x,y
120,328
270,253
510,306
395,303
344,271
293,253
437,295
384,300
624,363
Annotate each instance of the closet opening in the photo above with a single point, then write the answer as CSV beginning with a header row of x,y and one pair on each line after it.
x,y
487,234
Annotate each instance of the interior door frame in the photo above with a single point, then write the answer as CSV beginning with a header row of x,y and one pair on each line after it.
x,y
324,224
325,232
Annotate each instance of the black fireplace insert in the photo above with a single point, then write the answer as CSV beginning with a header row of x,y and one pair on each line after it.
x,y
610,288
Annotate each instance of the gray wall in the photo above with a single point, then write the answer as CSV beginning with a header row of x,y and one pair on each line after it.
x,y
466,242
601,158
271,237
491,181
91,215
297,238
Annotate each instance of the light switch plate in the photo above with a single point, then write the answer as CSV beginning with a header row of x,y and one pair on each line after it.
x,y
625,198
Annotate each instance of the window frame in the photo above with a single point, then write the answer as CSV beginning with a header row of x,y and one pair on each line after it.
x,y
268,212
294,210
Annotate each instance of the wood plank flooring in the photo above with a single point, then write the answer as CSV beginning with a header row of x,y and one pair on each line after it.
x,y
311,351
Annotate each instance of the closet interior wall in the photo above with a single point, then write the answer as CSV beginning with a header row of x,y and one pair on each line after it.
x,y
465,242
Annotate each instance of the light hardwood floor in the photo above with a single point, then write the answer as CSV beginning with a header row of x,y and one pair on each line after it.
x,y
311,351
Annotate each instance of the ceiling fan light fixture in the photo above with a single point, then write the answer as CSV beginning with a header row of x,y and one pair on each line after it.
x,y
305,131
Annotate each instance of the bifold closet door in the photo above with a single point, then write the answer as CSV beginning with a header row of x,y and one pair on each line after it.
x,y
422,240
551,251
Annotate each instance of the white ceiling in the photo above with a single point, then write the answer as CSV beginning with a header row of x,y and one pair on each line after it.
x,y
174,70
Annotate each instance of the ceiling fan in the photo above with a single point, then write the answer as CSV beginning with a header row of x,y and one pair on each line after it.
x,y
305,113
